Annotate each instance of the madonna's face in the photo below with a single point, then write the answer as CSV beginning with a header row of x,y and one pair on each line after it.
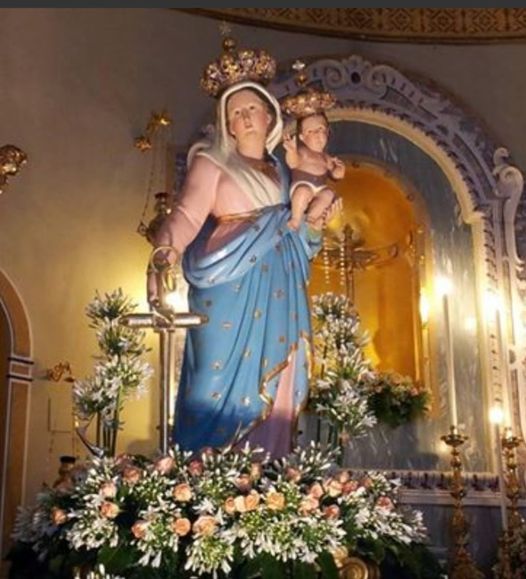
x,y
247,116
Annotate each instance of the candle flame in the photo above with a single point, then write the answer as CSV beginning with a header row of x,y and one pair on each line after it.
x,y
444,285
496,414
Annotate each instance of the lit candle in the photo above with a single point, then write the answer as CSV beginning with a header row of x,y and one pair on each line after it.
x,y
444,287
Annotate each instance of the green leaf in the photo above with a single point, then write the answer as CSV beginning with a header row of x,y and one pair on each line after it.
x,y
116,559
327,566
301,570
272,568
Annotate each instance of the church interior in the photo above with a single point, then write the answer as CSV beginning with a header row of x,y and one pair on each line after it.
x,y
99,109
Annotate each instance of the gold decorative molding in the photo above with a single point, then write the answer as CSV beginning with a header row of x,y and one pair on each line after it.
x,y
437,25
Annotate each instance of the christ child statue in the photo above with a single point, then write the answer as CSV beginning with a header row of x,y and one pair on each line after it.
x,y
311,166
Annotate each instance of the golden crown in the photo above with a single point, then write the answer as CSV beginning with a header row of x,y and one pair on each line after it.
x,y
235,66
307,101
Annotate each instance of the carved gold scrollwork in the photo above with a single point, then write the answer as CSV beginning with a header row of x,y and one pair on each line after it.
x,y
11,160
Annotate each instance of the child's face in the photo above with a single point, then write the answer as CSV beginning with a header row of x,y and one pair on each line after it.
x,y
314,133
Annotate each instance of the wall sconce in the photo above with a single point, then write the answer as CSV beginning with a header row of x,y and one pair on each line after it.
x,y
11,160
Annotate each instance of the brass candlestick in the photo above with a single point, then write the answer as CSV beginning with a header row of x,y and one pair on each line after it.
x,y
511,480
509,443
462,565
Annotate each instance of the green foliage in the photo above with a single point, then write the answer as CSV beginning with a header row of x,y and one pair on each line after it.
x,y
395,399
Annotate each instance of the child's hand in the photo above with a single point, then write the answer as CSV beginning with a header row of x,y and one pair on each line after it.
x,y
289,142
337,168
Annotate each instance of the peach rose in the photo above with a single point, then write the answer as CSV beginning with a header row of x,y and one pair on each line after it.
x,y
164,464
239,503
139,528
252,500
108,490
205,525
229,506
367,482
275,501
343,476
195,468
109,510
316,491
58,516
182,492
385,503
131,474
308,504
243,483
181,526
340,555
331,511
333,487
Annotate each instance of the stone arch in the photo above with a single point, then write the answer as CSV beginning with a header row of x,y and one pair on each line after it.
x,y
14,410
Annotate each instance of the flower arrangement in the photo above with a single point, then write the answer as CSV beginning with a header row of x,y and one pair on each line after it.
x,y
223,514
395,399
347,391
119,371
340,366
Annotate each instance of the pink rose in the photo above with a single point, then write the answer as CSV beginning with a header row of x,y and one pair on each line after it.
x,y
331,511
139,528
109,510
58,516
164,464
243,483
123,460
293,474
385,503
349,487
195,468
181,526
182,492
205,525
343,476
108,490
131,474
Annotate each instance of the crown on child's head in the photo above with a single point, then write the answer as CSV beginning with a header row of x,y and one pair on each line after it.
x,y
235,66
307,101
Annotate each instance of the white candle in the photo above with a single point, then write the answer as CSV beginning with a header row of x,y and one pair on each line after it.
x,y
451,386
503,361
502,485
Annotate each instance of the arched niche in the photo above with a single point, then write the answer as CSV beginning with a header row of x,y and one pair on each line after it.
x,y
471,194
16,366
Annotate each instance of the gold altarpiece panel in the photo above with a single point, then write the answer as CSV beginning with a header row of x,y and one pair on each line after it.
x,y
385,228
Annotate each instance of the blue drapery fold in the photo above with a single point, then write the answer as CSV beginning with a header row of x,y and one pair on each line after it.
x,y
253,291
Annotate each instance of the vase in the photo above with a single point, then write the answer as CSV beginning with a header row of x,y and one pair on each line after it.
x,y
357,568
